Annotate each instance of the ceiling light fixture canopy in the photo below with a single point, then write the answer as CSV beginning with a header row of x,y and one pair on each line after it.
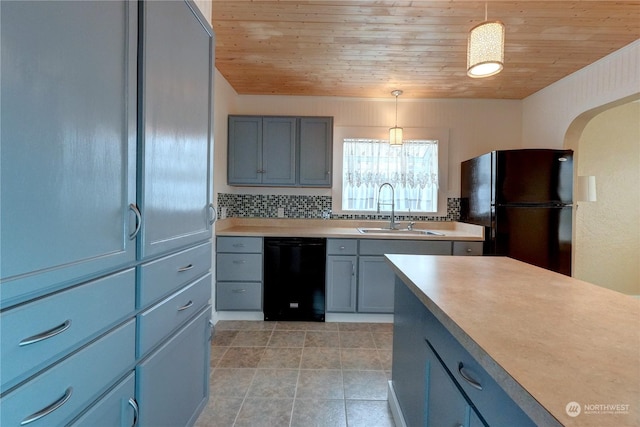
x,y
485,49
395,133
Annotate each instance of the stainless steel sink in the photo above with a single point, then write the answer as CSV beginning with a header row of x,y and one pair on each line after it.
x,y
403,231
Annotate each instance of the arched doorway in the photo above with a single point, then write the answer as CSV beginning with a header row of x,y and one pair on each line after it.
x,y
606,236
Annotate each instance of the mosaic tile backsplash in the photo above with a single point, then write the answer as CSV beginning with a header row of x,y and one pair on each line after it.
x,y
309,207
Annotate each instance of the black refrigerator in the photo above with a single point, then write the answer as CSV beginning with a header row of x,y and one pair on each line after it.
x,y
524,199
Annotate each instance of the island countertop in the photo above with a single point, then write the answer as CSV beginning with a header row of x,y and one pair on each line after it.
x,y
549,340
345,229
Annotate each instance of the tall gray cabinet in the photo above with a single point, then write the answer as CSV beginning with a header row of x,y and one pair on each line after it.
x,y
106,212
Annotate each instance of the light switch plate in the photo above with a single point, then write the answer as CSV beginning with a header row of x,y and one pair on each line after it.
x,y
280,212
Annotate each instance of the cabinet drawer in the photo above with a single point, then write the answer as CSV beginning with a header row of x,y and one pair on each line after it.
x,y
35,335
239,244
73,383
239,296
418,247
342,246
467,248
165,275
114,409
239,267
493,403
166,316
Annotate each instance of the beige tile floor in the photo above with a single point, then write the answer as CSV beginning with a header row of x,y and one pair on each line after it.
x,y
299,374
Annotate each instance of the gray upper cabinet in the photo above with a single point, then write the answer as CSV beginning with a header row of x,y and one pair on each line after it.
x,y
244,158
316,143
279,151
174,145
68,141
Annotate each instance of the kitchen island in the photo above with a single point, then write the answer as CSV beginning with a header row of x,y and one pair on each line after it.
x,y
556,349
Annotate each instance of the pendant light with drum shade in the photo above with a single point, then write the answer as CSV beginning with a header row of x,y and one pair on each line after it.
x,y
485,48
395,133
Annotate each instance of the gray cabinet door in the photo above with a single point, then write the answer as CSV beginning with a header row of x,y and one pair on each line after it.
x,y
341,283
375,285
67,141
316,142
244,154
279,150
409,372
175,190
172,385
446,406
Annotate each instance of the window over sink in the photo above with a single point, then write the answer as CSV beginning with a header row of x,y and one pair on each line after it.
x,y
416,170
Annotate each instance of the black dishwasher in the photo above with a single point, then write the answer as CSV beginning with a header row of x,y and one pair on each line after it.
x,y
294,273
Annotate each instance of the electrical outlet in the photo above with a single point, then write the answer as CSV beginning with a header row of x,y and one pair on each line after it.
x,y
223,212
280,212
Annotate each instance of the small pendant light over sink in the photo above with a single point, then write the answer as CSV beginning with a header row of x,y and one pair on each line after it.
x,y
395,133
485,49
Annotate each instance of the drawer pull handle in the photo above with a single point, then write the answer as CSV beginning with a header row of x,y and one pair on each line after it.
x,y
49,409
239,261
187,305
136,211
136,411
46,334
185,268
463,372
342,248
238,245
239,291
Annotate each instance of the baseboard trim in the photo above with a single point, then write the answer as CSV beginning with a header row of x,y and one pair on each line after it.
x,y
395,407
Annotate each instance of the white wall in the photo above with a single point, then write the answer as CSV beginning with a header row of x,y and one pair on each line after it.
x,y
548,113
205,8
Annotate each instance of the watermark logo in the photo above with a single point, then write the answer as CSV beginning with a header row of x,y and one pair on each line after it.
x,y
573,409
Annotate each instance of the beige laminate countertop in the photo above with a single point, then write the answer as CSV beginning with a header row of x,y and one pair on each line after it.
x,y
546,338
346,229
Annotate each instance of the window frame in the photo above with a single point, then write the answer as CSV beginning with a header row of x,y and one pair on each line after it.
x,y
373,132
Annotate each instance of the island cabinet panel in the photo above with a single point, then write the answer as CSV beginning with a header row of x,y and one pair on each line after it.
x,y
174,147
67,171
436,382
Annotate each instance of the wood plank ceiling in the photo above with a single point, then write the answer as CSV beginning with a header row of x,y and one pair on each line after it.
x,y
368,48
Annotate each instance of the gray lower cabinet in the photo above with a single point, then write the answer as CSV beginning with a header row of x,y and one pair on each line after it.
x,y
375,276
117,408
341,281
436,381
279,151
239,273
173,382
375,290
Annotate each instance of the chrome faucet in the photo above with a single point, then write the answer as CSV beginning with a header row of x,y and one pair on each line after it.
x,y
393,225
